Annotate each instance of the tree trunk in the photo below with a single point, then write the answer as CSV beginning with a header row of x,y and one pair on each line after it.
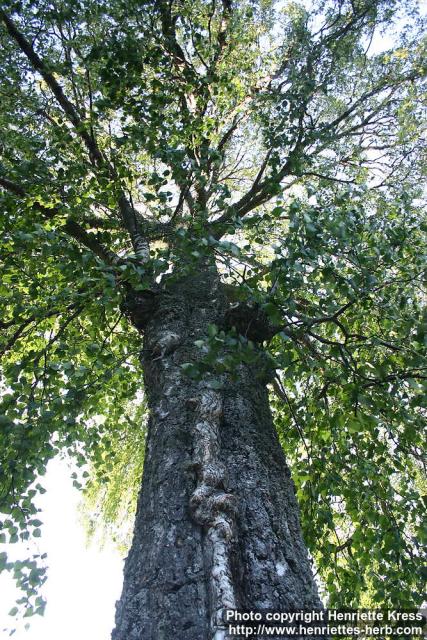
x,y
217,521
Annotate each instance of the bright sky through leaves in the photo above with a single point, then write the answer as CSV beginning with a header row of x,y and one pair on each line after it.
x,y
84,581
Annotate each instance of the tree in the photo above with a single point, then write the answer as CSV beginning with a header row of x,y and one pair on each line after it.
x,y
214,201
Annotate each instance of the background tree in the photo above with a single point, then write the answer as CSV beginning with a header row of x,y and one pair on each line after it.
x,y
202,199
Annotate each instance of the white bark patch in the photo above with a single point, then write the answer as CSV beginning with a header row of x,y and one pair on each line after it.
x,y
213,507
167,342
141,246
281,569
171,535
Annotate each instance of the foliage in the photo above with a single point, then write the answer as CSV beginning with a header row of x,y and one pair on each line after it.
x,y
109,498
351,387
139,137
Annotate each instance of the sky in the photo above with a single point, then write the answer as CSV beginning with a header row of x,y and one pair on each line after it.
x,y
83,582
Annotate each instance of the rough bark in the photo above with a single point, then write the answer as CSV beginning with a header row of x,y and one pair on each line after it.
x,y
217,520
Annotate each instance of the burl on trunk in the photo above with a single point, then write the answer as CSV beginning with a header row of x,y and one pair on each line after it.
x,y
217,521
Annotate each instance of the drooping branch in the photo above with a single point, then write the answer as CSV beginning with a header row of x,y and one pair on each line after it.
x,y
21,324
16,334
75,311
70,227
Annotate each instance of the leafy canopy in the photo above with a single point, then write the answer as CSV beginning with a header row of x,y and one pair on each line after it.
x,y
284,139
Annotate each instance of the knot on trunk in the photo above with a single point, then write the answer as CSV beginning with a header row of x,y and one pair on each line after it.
x,y
210,497
210,506
251,321
138,306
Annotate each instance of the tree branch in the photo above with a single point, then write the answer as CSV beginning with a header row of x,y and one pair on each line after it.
x,y
97,158
71,227
68,108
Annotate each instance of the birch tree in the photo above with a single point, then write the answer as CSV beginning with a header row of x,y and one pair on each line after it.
x,y
212,214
